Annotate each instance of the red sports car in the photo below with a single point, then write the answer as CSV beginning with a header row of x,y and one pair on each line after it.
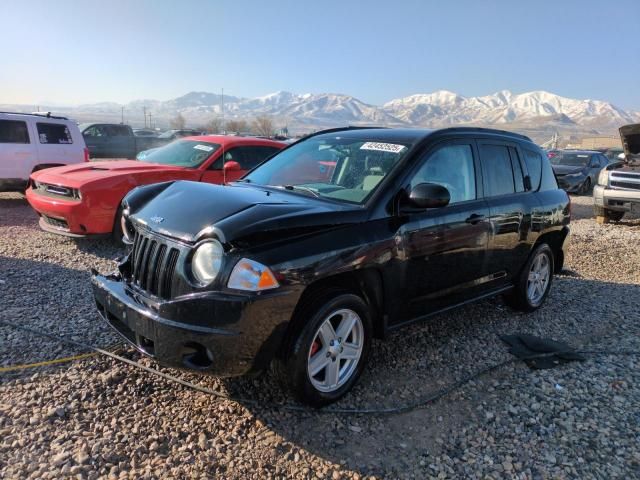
x,y
82,200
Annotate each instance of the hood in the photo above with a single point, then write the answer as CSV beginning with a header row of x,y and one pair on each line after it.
x,y
82,173
239,214
630,136
566,169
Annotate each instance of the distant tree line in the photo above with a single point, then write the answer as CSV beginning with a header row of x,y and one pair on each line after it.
x,y
263,125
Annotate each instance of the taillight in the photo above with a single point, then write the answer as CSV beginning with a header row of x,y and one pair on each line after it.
x,y
86,154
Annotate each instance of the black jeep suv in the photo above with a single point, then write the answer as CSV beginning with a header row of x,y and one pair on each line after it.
x,y
339,238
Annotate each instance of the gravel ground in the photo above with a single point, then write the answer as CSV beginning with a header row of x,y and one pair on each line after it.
x,y
97,418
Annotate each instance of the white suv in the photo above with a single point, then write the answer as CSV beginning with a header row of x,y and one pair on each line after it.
x,y
30,142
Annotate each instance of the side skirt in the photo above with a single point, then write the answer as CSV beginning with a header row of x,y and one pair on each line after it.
x,y
490,294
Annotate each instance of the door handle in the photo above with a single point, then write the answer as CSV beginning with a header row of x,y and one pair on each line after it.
x,y
475,218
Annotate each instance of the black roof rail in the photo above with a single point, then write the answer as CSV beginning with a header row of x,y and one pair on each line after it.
x,y
341,129
38,114
486,130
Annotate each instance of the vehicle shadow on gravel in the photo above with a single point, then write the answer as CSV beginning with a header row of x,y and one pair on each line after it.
x,y
424,358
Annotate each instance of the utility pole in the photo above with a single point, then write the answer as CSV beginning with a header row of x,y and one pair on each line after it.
x,y
222,111
150,124
144,110
122,115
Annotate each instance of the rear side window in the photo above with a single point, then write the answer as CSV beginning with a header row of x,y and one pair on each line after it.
x,y
117,131
498,176
13,131
247,157
54,133
256,155
534,167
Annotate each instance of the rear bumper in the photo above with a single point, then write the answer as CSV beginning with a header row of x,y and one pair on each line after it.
x,y
72,218
210,332
615,199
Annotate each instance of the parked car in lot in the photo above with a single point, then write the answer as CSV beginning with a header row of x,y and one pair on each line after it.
x,y
85,199
114,140
144,132
577,170
179,133
344,236
618,189
32,142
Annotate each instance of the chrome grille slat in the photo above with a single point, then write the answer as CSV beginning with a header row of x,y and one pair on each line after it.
x,y
139,258
153,263
626,184
148,257
152,284
167,281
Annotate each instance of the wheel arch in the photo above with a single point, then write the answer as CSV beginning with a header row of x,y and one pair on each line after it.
x,y
555,239
366,283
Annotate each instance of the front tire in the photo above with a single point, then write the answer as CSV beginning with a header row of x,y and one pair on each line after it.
x,y
328,350
604,215
586,187
534,283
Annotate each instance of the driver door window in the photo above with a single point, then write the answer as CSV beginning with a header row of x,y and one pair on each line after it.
x,y
452,167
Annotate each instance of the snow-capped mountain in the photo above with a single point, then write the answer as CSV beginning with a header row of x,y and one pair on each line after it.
x,y
303,112
448,108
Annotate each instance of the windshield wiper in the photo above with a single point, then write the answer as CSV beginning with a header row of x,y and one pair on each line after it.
x,y
301,188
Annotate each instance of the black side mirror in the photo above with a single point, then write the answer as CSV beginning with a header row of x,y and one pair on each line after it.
x,y
429,195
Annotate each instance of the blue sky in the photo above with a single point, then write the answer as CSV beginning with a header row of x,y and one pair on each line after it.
x,y
72,51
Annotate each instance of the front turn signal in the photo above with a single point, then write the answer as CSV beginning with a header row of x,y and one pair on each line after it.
x,y
252,276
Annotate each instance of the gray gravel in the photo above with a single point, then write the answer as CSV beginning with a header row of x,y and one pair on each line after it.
x,y
97,418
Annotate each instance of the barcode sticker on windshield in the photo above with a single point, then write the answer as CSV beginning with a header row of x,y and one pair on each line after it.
x,y
206,148
382,147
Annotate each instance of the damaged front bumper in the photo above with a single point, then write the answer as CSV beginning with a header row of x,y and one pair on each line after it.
x,y
616,199
211,332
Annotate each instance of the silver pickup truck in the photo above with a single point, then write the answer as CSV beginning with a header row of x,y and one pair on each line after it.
x,y
618,189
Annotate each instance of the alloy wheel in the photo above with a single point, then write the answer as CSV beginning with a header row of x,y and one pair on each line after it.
x,y
539,276
336,350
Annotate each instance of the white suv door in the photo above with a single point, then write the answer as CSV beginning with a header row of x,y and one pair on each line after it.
x,y
18,153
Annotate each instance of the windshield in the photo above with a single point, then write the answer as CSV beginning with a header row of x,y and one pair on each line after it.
x,y
344,169
181,153
570,159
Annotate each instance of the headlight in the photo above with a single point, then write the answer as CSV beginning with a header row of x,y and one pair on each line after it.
x,y
252,276
603,178
207,261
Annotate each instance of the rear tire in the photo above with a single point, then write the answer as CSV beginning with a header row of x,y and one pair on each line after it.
x,y
534,283
328,348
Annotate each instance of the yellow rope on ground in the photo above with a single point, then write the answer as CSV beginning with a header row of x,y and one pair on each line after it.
x,y
80,356
47,362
